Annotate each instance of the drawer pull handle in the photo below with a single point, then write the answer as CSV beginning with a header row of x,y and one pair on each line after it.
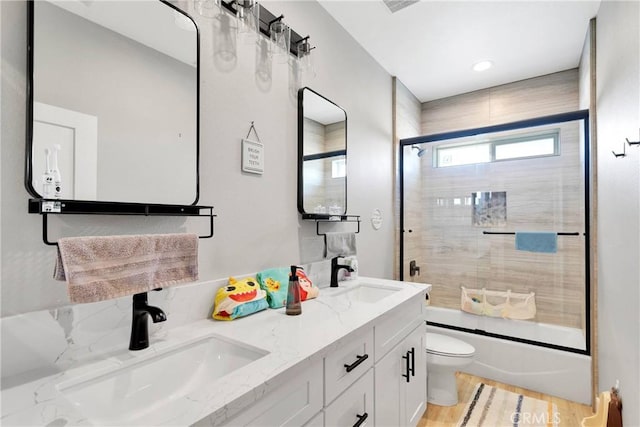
x,y
355,364
408,369
413,361
361,419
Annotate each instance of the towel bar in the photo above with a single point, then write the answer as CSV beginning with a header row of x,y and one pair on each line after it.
x,y
338,218
46,207
335,219
573,233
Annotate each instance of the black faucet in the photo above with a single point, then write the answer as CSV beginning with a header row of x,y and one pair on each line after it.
x,y
335,267
139,325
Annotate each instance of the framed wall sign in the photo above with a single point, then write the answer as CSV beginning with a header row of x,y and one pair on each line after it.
x,y
252,156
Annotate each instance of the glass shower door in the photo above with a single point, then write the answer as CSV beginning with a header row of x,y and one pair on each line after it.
x,y
496,220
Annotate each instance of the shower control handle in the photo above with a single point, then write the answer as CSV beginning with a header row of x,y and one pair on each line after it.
x,y
413,268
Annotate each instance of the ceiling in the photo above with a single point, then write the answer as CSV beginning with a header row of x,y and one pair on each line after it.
x,y
431,46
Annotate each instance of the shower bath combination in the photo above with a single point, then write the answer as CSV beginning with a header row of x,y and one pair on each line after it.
x,y
456,207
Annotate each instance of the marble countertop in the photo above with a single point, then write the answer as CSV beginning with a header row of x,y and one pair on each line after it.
x,y
291,343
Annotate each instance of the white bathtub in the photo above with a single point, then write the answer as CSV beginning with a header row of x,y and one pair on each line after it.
x,y
546,370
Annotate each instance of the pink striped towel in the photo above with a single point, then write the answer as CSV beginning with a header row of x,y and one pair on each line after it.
x,y
99,268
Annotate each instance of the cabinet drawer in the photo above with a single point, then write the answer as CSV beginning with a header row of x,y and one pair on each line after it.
x,y
291,404
393,327
346,364
354,406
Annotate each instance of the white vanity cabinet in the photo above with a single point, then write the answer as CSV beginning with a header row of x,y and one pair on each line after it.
x,y
401,382
374,377
396,388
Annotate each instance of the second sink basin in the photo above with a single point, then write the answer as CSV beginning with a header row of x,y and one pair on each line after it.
x,y
365,292
141,390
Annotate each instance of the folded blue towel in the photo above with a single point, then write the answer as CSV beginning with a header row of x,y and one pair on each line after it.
x,y
544,242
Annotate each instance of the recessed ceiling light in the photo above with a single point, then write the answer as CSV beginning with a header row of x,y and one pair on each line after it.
x,y
482,66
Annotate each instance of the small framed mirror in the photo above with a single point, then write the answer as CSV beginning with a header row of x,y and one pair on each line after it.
x,y
322,156
112,112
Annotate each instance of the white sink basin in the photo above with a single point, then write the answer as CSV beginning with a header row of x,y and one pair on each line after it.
x,y
364,292
138,392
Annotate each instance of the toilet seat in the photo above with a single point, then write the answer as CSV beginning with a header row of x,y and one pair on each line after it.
x,y
443,345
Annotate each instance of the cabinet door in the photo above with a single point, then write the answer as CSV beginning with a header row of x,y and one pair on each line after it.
x,y
401,382
354,407
387,385
414,397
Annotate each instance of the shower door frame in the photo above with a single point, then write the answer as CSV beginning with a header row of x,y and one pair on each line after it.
x,y
522,124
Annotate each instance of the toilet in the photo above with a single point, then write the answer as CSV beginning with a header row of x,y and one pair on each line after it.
x,y
445,356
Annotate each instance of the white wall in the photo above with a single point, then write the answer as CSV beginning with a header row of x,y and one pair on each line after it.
x,y
1,153
618,91
584,73
258,225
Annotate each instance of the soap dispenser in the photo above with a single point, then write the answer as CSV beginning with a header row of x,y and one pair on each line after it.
x,y
294,307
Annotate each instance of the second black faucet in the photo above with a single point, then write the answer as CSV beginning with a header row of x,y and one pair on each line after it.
x,y
335,267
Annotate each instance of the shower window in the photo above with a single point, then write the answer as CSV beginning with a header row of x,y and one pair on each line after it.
x,y
463,155
512,148
339,168
527,147
460,223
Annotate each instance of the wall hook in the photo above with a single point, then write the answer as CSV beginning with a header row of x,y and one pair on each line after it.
x,y
253,128
623,154
632,142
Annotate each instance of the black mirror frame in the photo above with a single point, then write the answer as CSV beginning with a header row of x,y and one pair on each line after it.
x,y
29,107
308,215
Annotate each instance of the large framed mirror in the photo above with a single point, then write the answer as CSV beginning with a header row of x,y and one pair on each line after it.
x,y
112,112
322,152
